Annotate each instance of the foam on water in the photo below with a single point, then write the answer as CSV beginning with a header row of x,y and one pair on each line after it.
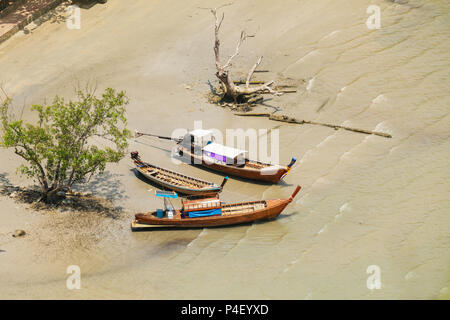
x,y
344,207
323,229
410,275
383,127
379,99
201,234
310,84
331,34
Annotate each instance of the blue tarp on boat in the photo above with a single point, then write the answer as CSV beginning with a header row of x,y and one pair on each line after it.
x,y
166,194
204,213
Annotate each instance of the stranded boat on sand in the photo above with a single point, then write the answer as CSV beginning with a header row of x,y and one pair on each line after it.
x,y
210,212
199,148
175,181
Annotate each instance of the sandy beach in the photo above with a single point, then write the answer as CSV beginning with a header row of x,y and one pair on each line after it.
x,y
365,200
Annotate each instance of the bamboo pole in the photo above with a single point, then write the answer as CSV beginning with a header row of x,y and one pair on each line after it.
x,y
140,134
284,118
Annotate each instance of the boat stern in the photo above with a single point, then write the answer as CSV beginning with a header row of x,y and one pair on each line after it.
x,y
288,167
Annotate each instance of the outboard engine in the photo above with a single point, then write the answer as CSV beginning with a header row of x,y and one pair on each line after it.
x,y
135,155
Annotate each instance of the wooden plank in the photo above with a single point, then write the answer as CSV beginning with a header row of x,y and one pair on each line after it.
x,y
284,118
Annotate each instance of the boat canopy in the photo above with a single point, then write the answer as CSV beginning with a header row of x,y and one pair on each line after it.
x,y
202,207
222,150
202,204
199,137
200,133
204,213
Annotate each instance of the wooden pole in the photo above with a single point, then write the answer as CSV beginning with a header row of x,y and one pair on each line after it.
x,y
284,118
140,134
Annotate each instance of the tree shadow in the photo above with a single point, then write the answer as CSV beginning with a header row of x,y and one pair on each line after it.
x,y
265,104
104,190
3,179
6,187
106,185
22,13
213,89
57,15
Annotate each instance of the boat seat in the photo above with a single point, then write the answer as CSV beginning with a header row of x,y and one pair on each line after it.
x,y
151,171
259,206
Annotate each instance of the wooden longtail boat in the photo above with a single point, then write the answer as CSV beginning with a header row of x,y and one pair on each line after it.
x,y
253,170
175,181
230,214
198,148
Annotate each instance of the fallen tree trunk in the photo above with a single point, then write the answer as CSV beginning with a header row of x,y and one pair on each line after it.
x,y
284,118
229,87
283,90
279,88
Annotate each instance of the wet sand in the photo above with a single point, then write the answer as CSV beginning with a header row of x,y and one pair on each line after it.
x,y
366,200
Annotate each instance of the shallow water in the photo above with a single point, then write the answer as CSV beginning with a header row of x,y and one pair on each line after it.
x,y
365,200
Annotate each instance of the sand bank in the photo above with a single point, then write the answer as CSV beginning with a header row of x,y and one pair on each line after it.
x,y
365,200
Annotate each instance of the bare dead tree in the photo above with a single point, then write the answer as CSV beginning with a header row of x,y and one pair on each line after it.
x,y
223,70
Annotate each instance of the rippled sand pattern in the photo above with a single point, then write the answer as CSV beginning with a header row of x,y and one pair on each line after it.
x,y
366,200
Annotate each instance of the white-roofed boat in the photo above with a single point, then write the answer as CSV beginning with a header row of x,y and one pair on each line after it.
x,y
199,147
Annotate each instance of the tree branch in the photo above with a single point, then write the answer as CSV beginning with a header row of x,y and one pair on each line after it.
x,y
217,25
236,52
252,70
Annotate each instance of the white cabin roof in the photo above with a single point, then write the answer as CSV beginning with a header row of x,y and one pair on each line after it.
x,y
199,133
223,150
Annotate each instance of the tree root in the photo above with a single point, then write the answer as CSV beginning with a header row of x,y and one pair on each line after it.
x,y
223,73
284,118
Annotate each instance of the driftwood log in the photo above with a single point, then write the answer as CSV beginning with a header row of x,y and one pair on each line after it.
x,y
284,118
230,87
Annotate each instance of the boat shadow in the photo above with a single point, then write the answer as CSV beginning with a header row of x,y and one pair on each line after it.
x,y
155,228
188,161
141,177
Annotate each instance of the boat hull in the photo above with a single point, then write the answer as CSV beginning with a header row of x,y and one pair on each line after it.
x,y
179,189
272,175
271,211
